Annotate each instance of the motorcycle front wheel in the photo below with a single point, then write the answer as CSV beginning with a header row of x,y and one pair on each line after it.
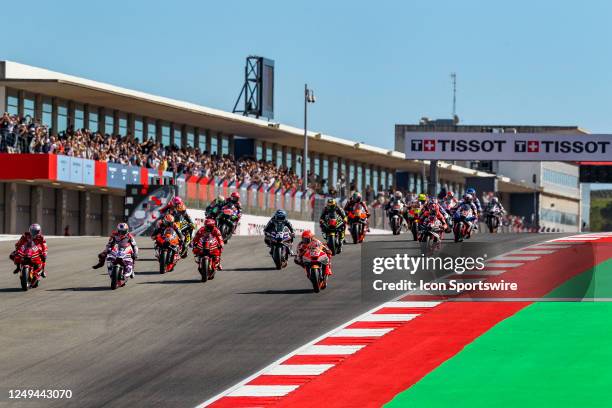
x,y
314,279
24,277
204,268
163,255
114,277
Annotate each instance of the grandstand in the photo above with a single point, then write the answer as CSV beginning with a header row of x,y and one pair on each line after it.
x,y
73,145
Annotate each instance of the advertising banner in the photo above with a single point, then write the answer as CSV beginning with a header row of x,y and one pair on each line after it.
x,y
507,146
89,172
63,168
117,175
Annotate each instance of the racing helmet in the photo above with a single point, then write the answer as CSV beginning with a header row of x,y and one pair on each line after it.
x,y
280,215
450,195
422,198
235,197
331,202
220,199
307,236
209,224
468,198
181,207
122,229
471,191
168,220
356,196
398,195
35,230
495,200
176,201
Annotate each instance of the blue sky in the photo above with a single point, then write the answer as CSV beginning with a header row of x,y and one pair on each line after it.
x,y
371,64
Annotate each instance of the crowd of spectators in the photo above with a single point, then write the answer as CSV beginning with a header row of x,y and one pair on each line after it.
x,y
20,135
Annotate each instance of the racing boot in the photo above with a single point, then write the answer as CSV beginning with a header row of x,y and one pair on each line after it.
x,y
101,259
16,269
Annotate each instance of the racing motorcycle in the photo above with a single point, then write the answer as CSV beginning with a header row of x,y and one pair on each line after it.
x,y
280,243
227,220
463,223
357,219
167,249
396,218
334,226
117,261
315,261
493,220
413,221
187,230
208,263
448,216
431,233
28,256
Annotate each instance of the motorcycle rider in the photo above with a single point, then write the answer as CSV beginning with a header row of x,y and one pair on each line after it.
x,y
495,204
279,219
209,228
332,209
397,198
468,201
354,201
171,206
309,240
450,201
435,209
475,200
167,221
181,216
234,200
121,235
34,233
215,206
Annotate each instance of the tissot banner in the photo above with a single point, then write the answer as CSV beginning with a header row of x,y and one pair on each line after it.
x,y
507,146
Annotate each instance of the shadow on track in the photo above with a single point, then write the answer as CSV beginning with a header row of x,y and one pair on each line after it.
x,y
271,268
278,292
11,290
147,259
147,273
171,282
81,289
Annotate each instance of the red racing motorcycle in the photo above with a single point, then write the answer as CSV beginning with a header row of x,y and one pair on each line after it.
x,y
29,259
315,262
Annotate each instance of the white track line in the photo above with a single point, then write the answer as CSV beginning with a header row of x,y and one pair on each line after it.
x,y
543,246
361,332
504,264
512,257
262,390
409,304
381,317
299,369
534,251
322,350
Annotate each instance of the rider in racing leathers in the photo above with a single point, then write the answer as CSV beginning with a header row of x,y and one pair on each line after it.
x,y
167,221
308,241
333,209
356,200
278,219
434,208
120,236
34,233
171,206
476,202
494,204
210,227
234,200
181,216
215,206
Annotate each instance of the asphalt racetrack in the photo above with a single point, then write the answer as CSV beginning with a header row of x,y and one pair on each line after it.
x,y
170,340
